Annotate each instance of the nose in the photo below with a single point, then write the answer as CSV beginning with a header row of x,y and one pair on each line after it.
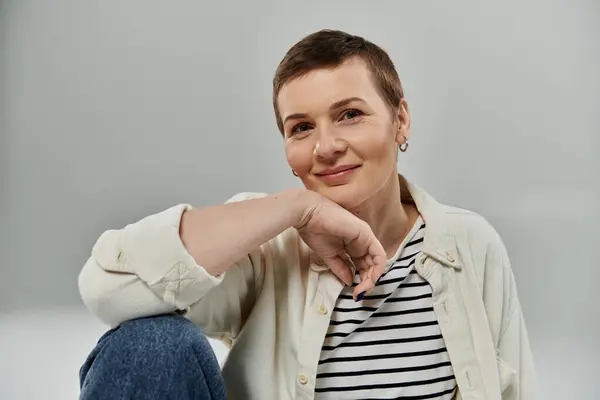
x,y
329,144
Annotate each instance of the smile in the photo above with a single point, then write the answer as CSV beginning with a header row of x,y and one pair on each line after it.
x,y
338,175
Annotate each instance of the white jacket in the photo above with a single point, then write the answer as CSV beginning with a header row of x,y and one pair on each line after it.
x,y
274,306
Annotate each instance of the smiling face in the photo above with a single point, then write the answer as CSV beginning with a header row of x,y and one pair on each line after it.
x,y
341,137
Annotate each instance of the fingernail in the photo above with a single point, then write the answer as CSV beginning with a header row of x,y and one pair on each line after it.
x,y
360,296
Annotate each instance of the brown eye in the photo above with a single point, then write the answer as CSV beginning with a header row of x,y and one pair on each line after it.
x,y
300,128
352,114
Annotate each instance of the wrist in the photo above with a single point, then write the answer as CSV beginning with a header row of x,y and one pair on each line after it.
x,y
302,203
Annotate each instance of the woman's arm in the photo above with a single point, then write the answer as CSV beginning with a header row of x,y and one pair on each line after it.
x,y
156,265
217,237
170,260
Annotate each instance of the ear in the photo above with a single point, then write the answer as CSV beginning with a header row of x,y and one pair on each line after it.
x,y
403,122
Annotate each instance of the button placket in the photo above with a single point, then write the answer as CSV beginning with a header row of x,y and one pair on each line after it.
x,y
312,328
323,309
315,327
303,379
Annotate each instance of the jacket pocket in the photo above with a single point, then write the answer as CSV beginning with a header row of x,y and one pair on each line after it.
x,y
506,374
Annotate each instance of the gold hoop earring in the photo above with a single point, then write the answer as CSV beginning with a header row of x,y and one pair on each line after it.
x,y
295,174
404,146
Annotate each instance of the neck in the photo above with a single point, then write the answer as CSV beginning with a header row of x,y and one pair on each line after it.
x,y
388,217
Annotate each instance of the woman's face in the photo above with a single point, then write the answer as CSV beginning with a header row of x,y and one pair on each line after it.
x,y
340,136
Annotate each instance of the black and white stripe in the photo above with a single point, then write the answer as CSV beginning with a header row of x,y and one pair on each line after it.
x,y
389,345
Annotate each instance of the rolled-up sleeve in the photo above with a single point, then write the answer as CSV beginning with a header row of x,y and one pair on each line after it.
x,y
153,250
144,270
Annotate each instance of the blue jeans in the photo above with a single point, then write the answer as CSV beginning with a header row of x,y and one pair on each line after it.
x,y
163,357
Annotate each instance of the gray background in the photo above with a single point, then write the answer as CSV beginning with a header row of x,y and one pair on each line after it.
x,y
112,110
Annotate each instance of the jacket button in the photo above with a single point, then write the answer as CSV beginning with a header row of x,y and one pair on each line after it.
x,y
303,379
322,309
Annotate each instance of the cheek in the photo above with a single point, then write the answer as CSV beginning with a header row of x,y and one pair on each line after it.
x,y
298,157
376,144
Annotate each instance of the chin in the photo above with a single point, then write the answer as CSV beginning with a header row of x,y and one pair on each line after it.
x,y
348,196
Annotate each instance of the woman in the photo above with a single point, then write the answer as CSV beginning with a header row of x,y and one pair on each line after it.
x,y
359,286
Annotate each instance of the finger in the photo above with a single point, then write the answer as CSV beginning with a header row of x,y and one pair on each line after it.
x,y
369,279
375,272
363,275
358,245
362,288
362,264
340,269
349,262
362,267
366,246
369,261
377,255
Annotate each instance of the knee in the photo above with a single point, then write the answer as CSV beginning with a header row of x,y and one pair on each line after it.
x,y
152,341
160,335
148,351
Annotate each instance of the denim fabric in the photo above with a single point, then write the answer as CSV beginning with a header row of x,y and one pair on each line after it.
x,y
163,357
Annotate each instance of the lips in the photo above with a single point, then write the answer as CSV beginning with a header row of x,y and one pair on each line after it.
x,y
337,170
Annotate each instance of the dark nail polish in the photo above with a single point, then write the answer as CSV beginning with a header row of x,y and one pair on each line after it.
x,y
360,296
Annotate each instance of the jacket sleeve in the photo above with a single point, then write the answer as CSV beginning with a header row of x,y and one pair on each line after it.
x,y
144,270
514,356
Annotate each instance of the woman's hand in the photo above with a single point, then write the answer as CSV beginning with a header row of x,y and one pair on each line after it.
x,y
334,234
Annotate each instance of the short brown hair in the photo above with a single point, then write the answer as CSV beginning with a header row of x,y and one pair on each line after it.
x,y
328,49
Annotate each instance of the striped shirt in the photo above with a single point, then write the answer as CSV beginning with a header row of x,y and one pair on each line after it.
x,y
388,345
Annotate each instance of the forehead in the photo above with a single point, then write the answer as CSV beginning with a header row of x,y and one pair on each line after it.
x,y
319,88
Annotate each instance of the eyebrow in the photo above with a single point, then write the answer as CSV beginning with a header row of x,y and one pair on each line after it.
x,y
337,105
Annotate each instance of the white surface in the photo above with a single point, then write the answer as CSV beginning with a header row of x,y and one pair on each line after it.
x,y
41,352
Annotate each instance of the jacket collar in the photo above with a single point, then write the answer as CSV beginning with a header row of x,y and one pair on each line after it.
x,y
439,243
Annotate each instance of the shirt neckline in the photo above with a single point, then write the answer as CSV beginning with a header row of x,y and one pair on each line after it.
x,y
413,231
